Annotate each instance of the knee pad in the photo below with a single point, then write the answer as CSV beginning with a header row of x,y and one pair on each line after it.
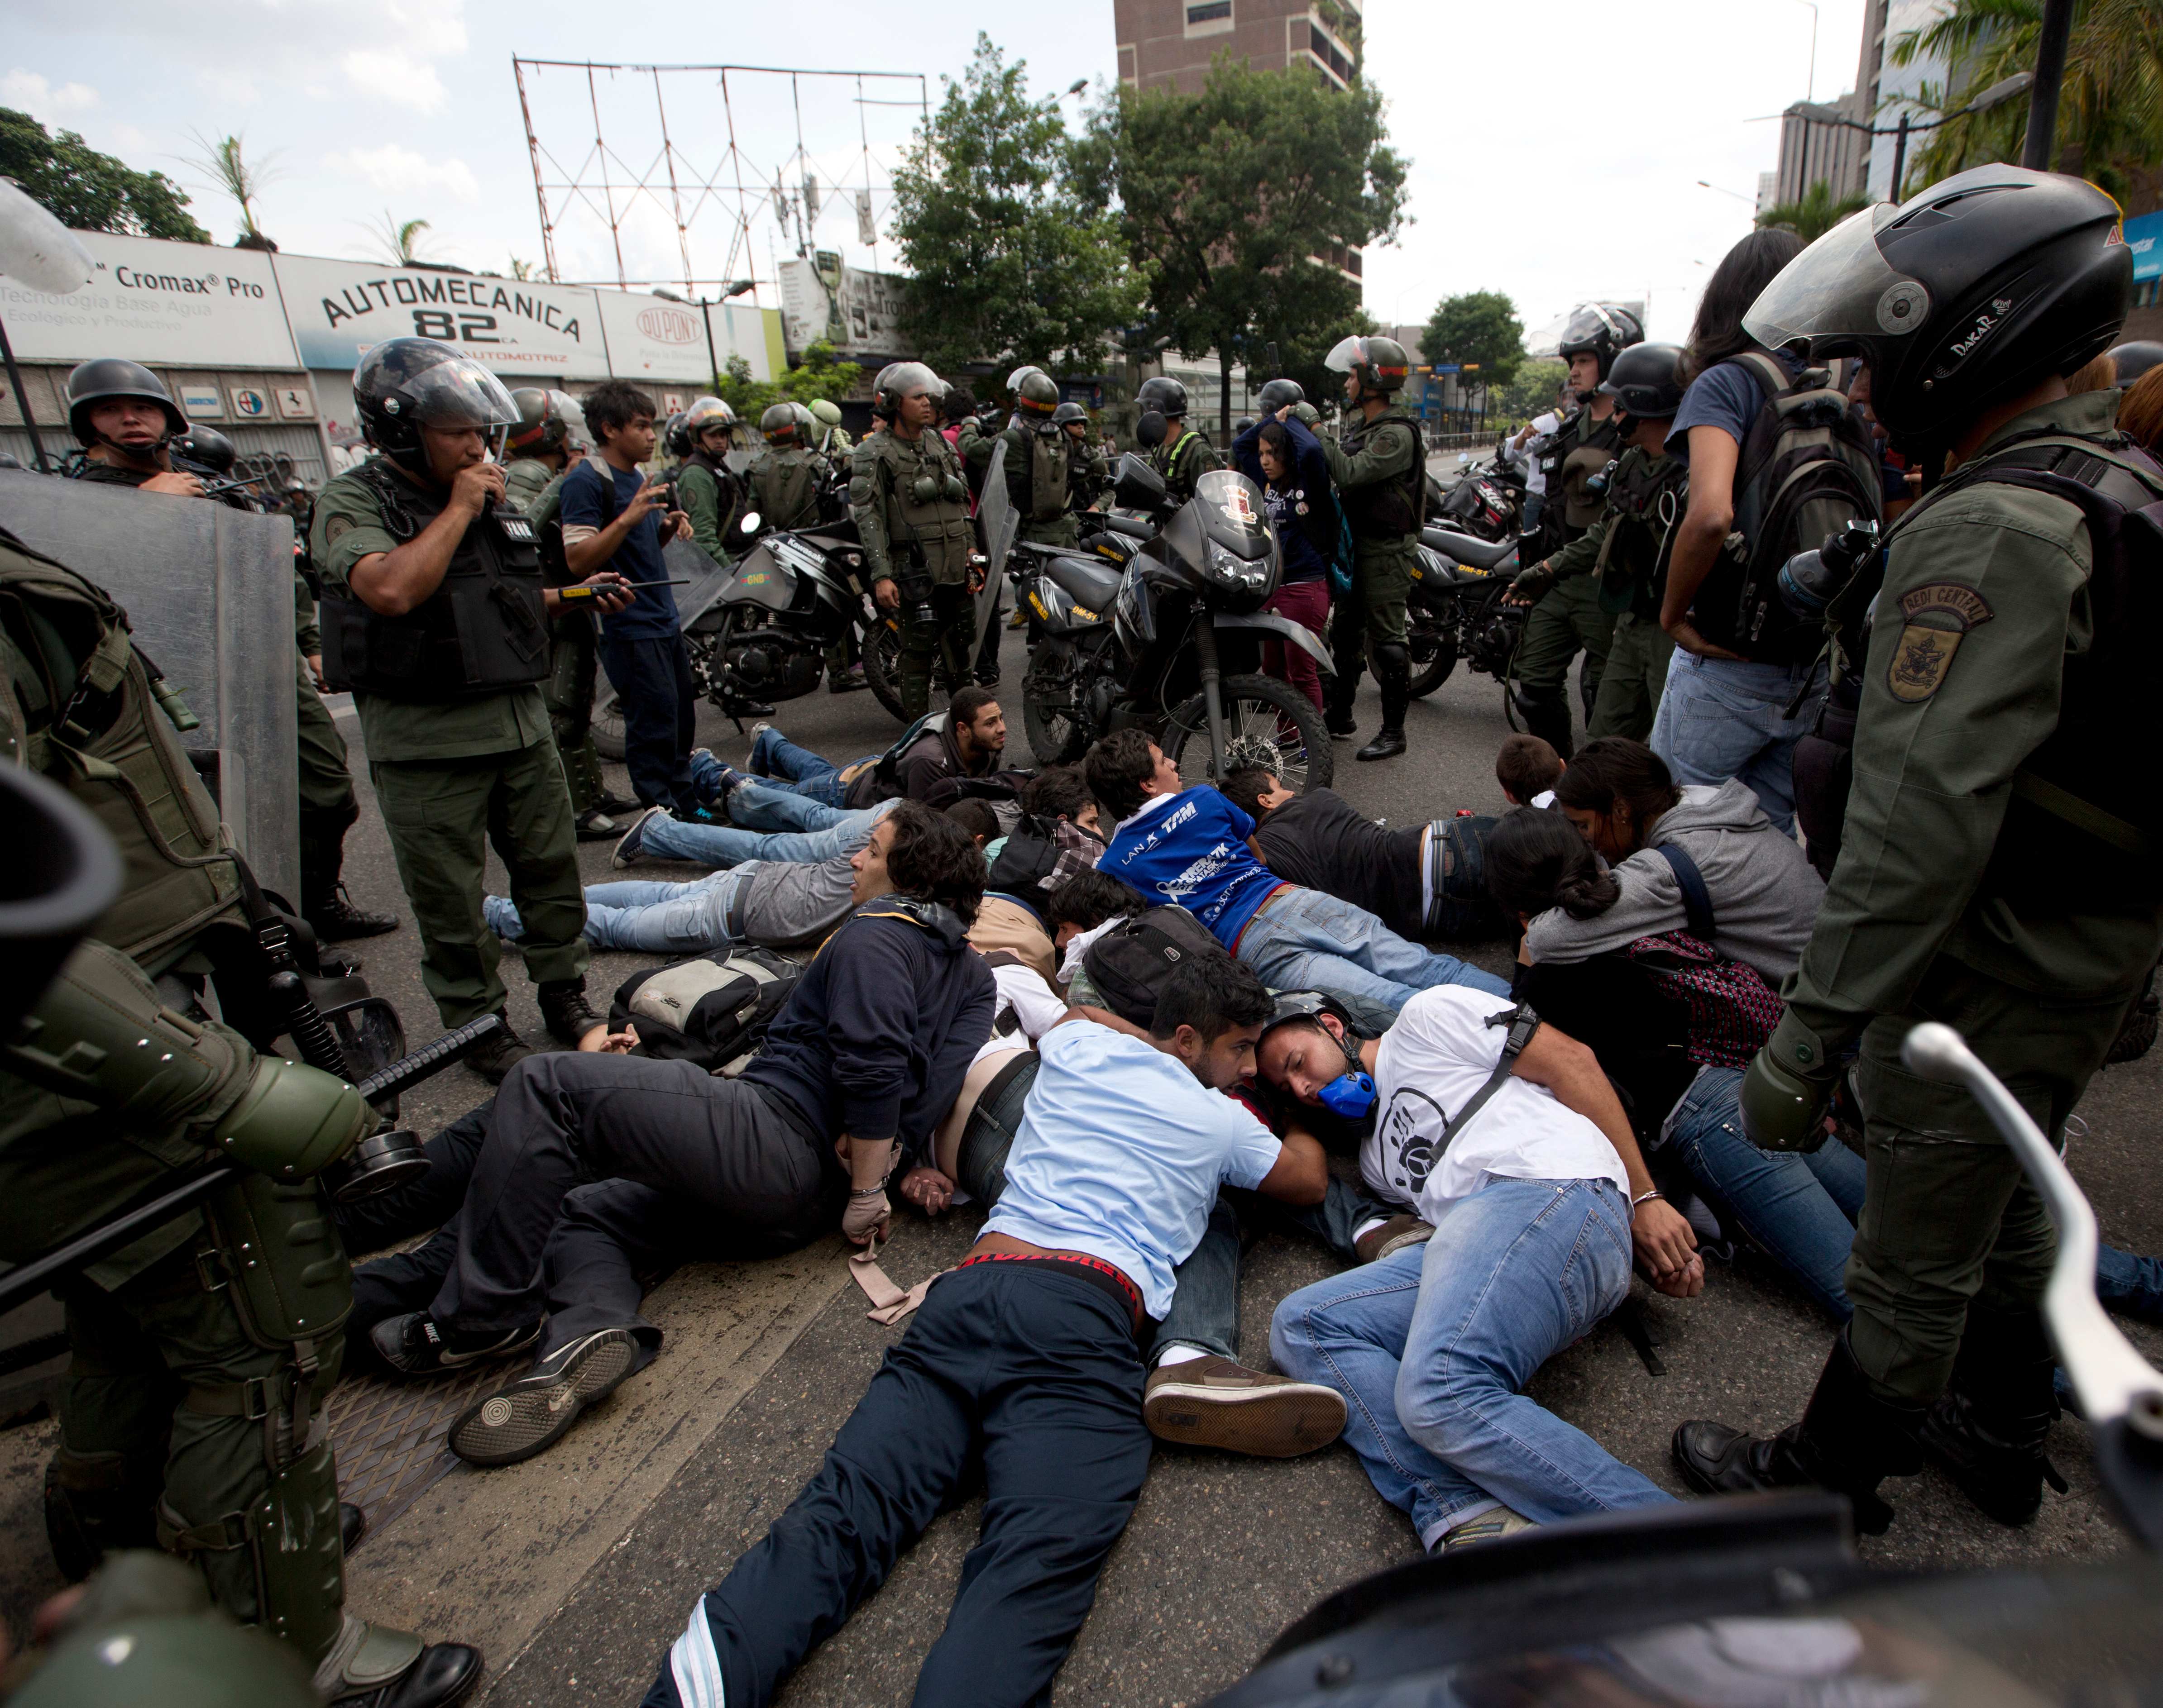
x,y
1393,661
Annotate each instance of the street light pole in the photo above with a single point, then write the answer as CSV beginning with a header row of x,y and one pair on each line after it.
x,y
1900,157
2049,73
1813,5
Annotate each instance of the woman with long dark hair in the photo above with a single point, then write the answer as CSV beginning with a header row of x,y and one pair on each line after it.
x,y
1736,702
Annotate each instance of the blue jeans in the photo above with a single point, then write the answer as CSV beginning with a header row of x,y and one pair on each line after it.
x,y
797,770
648,918
1797,1206
1304,940
725,845
1723,718
1432,1348
757,804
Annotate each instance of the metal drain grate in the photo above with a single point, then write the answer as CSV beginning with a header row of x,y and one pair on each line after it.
x,y
389,1435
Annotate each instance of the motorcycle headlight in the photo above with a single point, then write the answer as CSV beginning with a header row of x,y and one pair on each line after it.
x,y
1229,569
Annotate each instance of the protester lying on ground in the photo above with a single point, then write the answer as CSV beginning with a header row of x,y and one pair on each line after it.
x,y
762,822
1527,1171
969,741
1528,768
1194,848
774,903
1022,1360
1056,802
1079,912
977,818
1423,881
858,1070
1764,896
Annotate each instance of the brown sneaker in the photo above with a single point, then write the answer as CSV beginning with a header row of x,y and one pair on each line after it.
x,y
1392,1236
1211,1401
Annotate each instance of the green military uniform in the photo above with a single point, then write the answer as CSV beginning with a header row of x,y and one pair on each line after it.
x,y
191,1412
1037,472
707,496
911,508
1088,476
1380,472
1940,909
1622,558
1183,458
454,775
1569,618
573,658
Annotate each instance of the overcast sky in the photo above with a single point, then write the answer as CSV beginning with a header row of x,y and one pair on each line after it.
x,y
1555,148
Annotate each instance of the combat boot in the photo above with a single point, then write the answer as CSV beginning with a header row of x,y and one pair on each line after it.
x,y
1849,1439
499,1052
1393,677
374,1666
566,1012
324,902
1987,1428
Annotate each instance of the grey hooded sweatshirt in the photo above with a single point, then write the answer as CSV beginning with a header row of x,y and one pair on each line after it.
x,y
1765,897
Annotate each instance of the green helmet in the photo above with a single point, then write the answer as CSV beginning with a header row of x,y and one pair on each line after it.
x,y
828,413
1035,393
540,426
780,425
1070,414
1380,365
705,412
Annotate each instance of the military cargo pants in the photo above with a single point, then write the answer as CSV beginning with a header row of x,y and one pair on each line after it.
x,y
444,816
1634,679
949,639
328,807
569,694
1949,1218
1371,614
1567,619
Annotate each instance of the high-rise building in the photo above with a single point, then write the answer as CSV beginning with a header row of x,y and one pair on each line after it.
x,y
1832,142
1170,43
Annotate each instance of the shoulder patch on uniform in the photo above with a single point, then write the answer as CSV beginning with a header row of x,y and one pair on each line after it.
x,y
1935,619
336,526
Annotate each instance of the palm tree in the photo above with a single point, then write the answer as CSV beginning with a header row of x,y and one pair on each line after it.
x,y
2110,106
399,237
241,179
1815,214
521,269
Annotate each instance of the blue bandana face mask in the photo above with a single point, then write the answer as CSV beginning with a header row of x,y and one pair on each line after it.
x,y
1350,1096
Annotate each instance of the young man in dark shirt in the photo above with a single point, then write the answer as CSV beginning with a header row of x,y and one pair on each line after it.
x,y
854,1075
1422,881
615,519
970,743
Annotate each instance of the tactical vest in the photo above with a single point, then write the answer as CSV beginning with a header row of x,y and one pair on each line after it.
x,y
1644,503
91,724
785,486
1384,509
1592,447
927,507
481,632
1038,488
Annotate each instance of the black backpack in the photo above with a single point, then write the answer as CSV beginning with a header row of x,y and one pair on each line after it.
x,y
1026,859
1130,963
713,1009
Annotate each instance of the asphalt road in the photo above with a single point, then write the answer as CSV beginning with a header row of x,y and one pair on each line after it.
x,y
1222,1552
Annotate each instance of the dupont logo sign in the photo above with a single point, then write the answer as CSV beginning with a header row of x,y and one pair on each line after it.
x,y
670,325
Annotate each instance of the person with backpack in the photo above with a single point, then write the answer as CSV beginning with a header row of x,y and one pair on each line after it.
x,y
1776,460
1997,868
1285,461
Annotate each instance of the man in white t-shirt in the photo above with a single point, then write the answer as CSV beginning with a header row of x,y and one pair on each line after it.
x,y
1539,1202
1023,1359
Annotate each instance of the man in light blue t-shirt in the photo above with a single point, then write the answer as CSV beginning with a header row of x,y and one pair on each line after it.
x,y
1194,848
1025,1358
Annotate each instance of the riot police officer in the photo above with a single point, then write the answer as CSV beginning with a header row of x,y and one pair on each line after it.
x,y
1623,554
1567,619
706,491
834,440
1088,475
1038,458
129,426
1380,465
1179,453
191,1415
787,480
550,437
1997,868
911,508
435,612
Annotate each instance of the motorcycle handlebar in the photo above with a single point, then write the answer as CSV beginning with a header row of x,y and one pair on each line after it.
x,y
1130,526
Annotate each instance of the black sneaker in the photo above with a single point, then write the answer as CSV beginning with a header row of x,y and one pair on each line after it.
x,y
1340,724
533,1412
566,1012
336,920
414,1346
615,806
498,1054
628,847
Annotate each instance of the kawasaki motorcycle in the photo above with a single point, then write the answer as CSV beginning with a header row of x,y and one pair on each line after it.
x,y
1172,643
1456,610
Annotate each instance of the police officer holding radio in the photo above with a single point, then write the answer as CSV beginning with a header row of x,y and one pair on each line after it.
x,y
435,615
191,1415
1567,618
911,508
1380,465
2000,856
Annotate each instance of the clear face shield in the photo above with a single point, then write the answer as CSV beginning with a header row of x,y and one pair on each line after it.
x,y
460,394
573,416
1839,291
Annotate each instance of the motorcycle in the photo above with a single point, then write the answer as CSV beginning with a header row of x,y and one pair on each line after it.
x,y
1172,643
1487,500
1456,610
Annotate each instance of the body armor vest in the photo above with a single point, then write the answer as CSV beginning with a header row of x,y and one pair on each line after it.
x,y
1592,448
481,632
91,724
928,506
1644,502
1038,488
1384,509
785,487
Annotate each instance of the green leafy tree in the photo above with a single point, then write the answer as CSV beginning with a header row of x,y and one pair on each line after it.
x,y
1531,391
89,191
1239,202
1814,213
1007,264
817,375
2110,106
1479,330
1299,358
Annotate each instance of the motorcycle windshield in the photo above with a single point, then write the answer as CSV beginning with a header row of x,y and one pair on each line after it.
x,y
997,524
686,561
1232,513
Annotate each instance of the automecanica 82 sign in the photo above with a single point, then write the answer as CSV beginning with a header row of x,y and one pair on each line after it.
x,y
339,309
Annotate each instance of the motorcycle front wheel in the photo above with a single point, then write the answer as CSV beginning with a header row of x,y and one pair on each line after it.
x,y
608,724
1267,724
1057,732
1432,643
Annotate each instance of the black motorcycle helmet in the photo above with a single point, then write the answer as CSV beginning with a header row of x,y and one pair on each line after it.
x,y
1163,394
674,439
1601,329
206,448
403,385
540,425
779,425
111,377
1035,395
1979,288
1070,414
2134,359
1278,393
1642,381
896,381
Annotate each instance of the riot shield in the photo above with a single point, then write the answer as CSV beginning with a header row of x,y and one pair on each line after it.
x,y
209,595
997,524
